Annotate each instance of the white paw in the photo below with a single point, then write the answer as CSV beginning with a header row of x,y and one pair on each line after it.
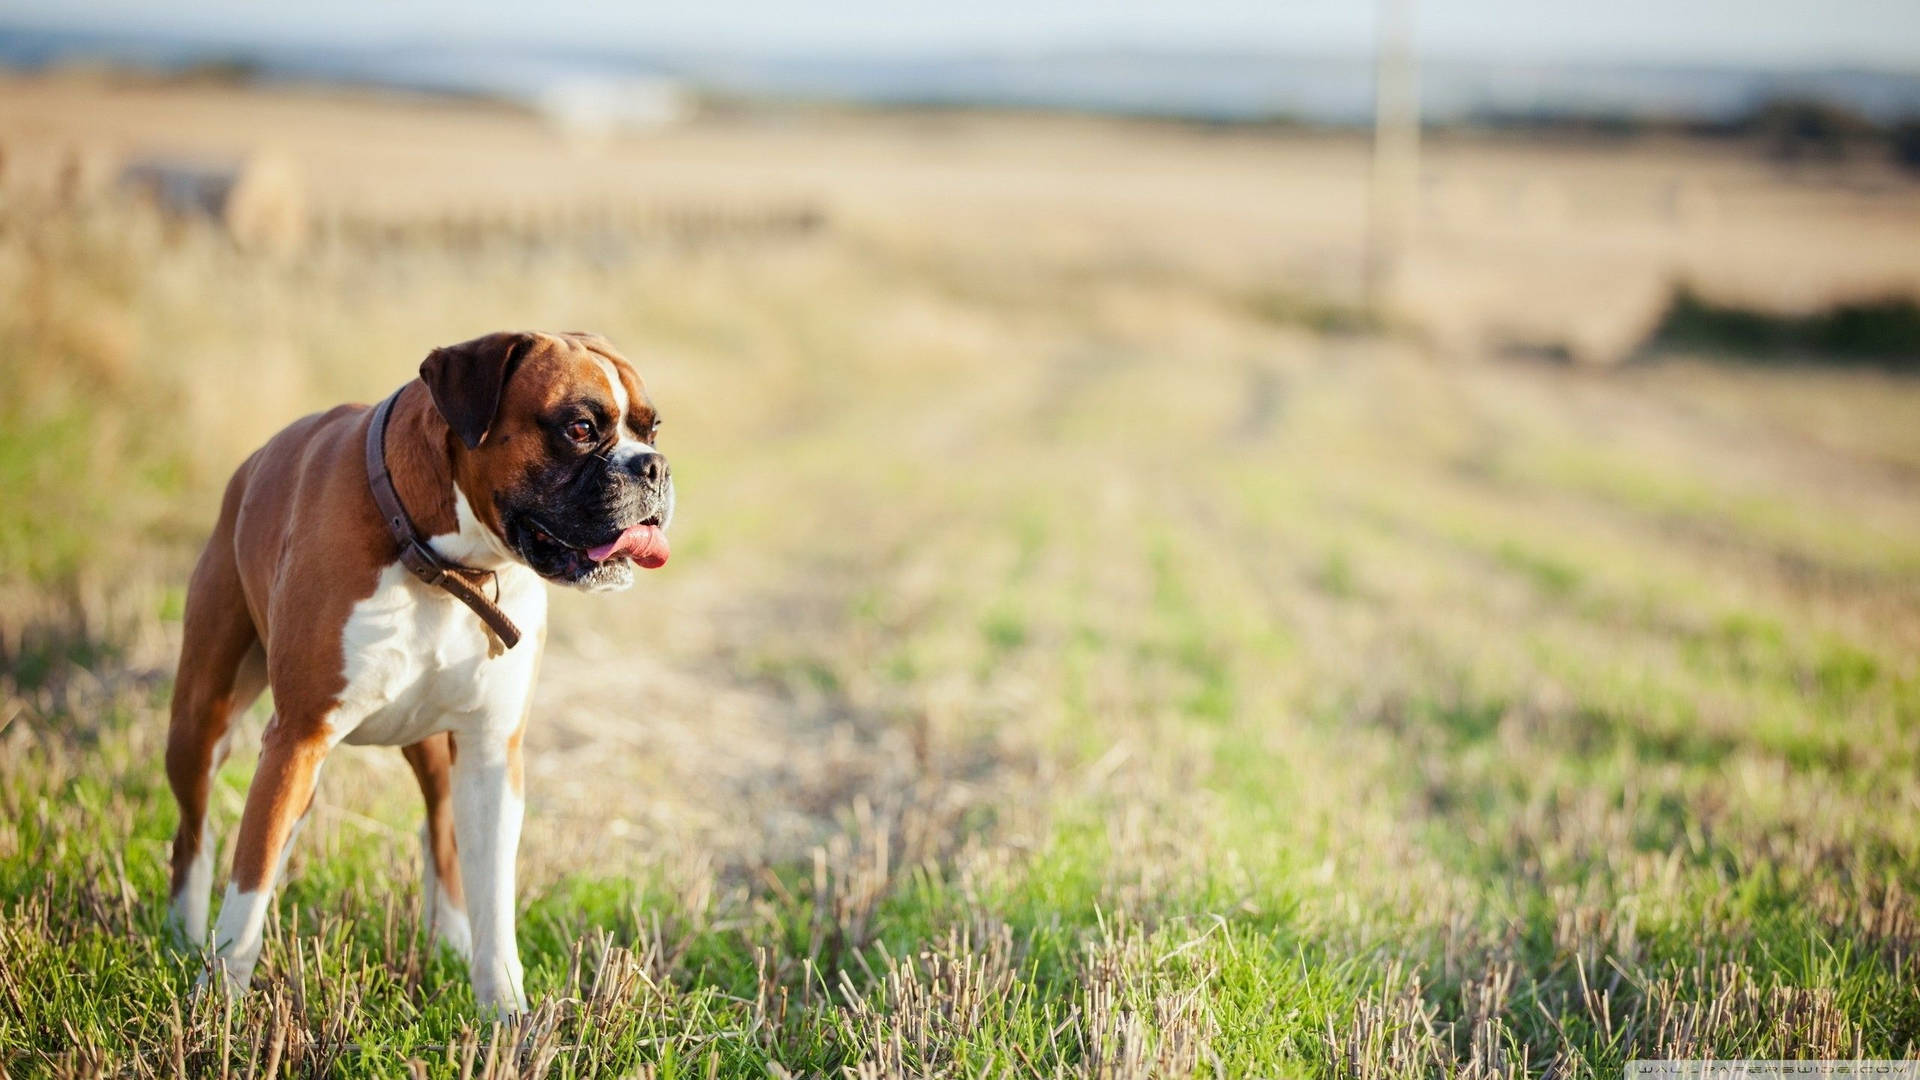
x,y
501,1003
450,931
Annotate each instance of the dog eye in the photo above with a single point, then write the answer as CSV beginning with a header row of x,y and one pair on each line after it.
x,y
580,431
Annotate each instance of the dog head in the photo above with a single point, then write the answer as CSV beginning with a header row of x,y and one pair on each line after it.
x,y
552,443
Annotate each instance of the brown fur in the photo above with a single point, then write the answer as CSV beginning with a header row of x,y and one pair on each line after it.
x,y
298,543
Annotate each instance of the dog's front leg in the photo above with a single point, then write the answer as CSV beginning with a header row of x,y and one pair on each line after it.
x,y
487,807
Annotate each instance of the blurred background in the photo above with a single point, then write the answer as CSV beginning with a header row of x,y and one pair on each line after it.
x,y
1435,485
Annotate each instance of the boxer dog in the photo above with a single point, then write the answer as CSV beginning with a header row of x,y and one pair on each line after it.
x,y
378,568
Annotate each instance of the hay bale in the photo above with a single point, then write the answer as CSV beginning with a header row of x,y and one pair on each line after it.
x,y
1600,315
261,203
266,206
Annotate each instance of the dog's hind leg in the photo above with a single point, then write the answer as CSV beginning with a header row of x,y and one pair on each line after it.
x,y
222,669
443,901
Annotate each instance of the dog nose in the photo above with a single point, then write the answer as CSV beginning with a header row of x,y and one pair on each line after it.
x,y
650,467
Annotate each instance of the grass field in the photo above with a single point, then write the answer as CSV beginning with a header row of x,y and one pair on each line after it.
x,y
1080,655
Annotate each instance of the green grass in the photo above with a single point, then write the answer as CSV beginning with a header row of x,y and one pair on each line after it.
x,y
1550,885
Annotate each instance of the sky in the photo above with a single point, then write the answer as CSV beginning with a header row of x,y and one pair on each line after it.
x,y
1793,33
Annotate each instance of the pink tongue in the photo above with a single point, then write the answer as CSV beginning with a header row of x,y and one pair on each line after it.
x,y
644,544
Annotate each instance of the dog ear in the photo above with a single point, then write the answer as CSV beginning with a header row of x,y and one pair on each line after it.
x,y
467,381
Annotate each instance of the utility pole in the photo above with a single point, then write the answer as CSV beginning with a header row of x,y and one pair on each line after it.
x,y
1394,176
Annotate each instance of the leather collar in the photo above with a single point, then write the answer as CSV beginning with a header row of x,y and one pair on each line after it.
x,y
464,583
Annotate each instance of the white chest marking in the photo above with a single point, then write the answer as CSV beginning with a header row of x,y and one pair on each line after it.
x,y
417,663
